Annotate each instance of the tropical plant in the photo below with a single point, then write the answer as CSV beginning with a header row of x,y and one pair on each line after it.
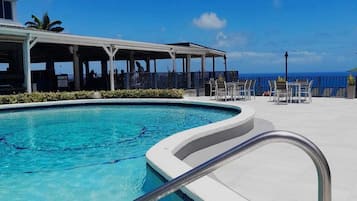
x,y
56,96
45,23
280,79
351,80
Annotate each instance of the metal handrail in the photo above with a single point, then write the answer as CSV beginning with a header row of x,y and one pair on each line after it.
x,y
321,164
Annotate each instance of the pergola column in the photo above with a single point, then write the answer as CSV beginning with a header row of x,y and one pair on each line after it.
x,y
77,81
155,66
104,71
203,66
111,51
81,74
183,65
147,61
86,65
173,58
132,62
225,67
214,67
27,45
188,70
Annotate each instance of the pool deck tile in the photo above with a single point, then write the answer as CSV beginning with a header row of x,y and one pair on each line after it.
x,y
283,172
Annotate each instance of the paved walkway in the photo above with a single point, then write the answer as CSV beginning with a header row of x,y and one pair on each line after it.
x,y
282,172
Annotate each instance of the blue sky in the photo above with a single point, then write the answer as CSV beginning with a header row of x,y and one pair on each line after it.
x,y
320,35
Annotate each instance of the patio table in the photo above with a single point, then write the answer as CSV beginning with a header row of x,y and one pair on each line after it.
x,y
295,89
232,88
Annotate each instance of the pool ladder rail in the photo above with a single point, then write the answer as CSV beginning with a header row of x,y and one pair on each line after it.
x,y
321,164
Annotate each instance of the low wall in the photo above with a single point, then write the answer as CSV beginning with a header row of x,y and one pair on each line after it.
x,y
166,156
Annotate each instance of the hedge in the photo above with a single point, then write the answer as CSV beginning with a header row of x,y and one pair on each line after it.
x,y
56,96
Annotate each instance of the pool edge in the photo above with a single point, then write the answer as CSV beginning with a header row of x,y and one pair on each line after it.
x,y
162,157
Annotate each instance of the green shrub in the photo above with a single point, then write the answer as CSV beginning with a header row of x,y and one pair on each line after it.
x,y
56,96
351,80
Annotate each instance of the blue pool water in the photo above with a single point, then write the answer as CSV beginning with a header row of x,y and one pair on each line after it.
x,y
92,152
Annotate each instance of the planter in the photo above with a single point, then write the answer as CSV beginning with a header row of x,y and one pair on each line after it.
x,y
351,91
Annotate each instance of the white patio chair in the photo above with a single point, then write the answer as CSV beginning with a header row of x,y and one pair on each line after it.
x,y
238,89
212,86
306,91
282,90
272,89
242,91
221,89
252,88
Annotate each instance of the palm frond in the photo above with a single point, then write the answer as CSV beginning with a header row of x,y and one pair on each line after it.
x,y
54,23
28,23
33,27
37,20
57,29
45,21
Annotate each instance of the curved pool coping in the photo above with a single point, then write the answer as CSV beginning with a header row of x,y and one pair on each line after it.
x,y
166,157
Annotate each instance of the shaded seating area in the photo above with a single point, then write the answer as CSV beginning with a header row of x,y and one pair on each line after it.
x,y
24,47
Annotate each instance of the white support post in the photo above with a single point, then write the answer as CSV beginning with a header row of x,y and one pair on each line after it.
x,y
132,62
214,67
148,66
27,45
77,81
155,66
203,65
188,70
173,57
111,51
33,42
183,65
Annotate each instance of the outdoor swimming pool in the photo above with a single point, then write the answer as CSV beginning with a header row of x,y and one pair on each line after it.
x,y
90,152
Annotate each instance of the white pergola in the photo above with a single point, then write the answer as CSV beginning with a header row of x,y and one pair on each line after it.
x,y
29,38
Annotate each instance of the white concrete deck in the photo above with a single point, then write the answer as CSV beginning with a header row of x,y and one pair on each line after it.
x,y
282,172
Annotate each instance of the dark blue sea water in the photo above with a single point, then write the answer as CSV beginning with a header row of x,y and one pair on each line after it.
x,y
324,83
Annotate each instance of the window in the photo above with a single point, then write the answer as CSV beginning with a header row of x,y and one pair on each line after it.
x,y
6,10
1,9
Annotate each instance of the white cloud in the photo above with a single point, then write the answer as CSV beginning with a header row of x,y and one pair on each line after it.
x,y
209,20
248,54
230,40
295,57
302,57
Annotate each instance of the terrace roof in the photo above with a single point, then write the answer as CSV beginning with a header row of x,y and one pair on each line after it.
x,y
50,45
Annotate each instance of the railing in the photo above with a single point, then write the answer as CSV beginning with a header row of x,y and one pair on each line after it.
x,y
323,85
167,80
321,164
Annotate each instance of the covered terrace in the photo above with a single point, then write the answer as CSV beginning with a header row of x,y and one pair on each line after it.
x,y
22,46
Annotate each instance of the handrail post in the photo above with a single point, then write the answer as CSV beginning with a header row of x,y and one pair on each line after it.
x,y
320,162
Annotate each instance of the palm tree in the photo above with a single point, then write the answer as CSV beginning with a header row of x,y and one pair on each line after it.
x,y
45,24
